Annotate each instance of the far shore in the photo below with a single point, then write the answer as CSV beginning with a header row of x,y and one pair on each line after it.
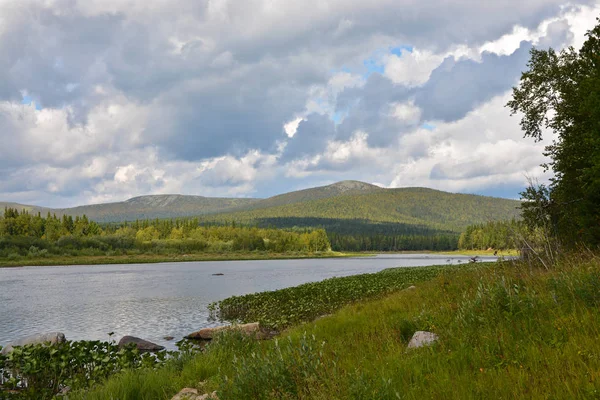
x,y
152,258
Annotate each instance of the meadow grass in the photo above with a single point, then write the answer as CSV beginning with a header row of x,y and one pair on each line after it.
x,y
507,330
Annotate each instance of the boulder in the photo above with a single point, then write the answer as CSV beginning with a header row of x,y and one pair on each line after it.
x,y
186,394
422,338
252,329
141,344
192,394
412,287
51,338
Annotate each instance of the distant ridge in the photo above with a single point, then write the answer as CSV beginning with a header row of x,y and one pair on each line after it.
x,y
145,207
339,201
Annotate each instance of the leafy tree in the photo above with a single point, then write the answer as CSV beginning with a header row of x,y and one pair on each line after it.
x,y
147,234
561,92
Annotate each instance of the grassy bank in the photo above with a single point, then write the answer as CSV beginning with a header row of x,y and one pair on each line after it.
x,y
51,260
506,331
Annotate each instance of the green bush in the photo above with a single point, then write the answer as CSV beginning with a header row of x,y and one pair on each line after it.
x,y
285,370
40,371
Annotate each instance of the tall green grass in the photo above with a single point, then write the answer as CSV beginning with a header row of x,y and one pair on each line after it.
x,y
507,330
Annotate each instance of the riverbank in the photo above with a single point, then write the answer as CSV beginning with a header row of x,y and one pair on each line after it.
x,y
55,260
51,260
506,330
492,252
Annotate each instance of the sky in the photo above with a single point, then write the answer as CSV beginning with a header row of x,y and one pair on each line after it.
x,y
103,100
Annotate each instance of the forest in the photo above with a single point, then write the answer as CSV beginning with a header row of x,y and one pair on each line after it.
x,y
26,235
367,235
497,235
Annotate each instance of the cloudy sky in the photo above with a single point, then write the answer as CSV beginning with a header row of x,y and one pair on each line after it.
x,y
102,100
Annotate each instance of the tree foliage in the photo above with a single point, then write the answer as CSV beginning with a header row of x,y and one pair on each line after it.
x,y
24,235
560,92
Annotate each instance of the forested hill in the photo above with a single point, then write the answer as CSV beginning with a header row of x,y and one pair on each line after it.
x,y
424,207
344,200
343,188
144,207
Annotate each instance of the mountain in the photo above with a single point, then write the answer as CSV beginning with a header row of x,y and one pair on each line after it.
x,y
144,207
428,208
323,206
343,188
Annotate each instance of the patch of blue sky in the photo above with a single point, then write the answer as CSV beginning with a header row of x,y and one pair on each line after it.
x,y
428,126
398,50
374,63
339,116
373,66
28,100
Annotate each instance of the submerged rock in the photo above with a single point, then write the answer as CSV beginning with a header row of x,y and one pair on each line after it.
x,y
422,338
51,338
252,329
141,344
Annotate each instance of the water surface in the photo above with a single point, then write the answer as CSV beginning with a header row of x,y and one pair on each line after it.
x,y
157,300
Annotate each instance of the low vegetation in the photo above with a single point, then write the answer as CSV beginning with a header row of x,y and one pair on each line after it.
x,y
40,372
280,309
507,330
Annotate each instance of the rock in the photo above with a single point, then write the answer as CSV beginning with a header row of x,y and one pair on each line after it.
x,y
192,394
186,394
412,287
141,344
64,391
252,329
422,338
323,316
51,338
168,338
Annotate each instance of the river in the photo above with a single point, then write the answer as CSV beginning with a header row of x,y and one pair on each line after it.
x,y
157,300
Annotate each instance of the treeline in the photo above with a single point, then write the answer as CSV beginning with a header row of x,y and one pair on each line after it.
x,y
366,235
392,243
22,234
498,235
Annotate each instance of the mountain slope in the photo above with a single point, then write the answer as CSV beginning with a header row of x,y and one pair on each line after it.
x,y
415,206
342,201
343,188
144,207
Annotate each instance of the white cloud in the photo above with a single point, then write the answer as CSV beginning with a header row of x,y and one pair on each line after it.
x,y
412,68
406,112
157,96
291,127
